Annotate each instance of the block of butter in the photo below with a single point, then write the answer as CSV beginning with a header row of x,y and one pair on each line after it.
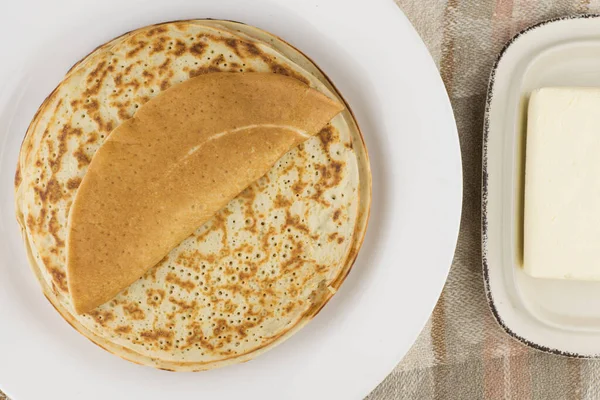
x,y
562,184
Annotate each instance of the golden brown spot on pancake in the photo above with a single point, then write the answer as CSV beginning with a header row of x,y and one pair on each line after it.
x,y
233,45
67,130
298,187
176,280
198,49
91,106
101,125
30,223
155,297
155,336
334,173
348,145
203,70
18,177
281,202
291,305
328,136
54,229
329,176
118,80
248,196
134,83
295,257
182,26
252,49
143,99
287,169
101,317
156,31
123,329
164,67
123,109
128,69
158,45
332,236
139,47
320,268
73,131
134,311
221,326
58,276
164,85
220,59
148,76
97,78
75,104
52,193
196,336
183,306
179,48
336,214
266,237
82,158
42,216
340,240
92,138
274,66
294,222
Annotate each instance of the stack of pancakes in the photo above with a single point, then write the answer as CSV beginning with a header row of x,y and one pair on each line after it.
x,y
259,268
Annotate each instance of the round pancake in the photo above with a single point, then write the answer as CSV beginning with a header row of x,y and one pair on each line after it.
x,y
260,268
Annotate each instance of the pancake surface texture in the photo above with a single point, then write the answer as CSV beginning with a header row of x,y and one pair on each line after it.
x,y
256,271
225,131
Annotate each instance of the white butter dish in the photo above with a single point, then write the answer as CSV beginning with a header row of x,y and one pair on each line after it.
x,y
557,316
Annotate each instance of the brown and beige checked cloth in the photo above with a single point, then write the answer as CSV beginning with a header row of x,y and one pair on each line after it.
x,y
462,353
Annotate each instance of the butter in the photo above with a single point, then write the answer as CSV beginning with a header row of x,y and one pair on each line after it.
x,y
562,184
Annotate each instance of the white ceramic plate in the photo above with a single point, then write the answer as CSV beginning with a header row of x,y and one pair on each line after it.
x,y
556,316
382,68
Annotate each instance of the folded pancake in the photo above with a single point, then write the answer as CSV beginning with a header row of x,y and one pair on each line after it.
x,y
162,174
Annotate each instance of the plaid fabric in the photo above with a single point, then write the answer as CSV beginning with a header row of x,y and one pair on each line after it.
x,y
462,353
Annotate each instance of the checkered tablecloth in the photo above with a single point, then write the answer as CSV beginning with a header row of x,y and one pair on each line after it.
x,y
462,353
